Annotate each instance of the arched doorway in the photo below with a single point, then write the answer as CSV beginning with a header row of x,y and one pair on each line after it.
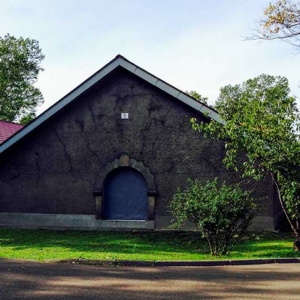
x,y
125,195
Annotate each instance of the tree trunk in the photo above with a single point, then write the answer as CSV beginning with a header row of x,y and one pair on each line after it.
x,y
296,229
297,241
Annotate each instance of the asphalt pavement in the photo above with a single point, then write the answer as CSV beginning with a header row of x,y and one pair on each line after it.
x,y
35,281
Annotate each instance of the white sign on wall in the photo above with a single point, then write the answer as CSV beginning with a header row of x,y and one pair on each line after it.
x,y
124,116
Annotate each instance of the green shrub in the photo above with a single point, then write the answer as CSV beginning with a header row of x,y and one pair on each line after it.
x,y
221,212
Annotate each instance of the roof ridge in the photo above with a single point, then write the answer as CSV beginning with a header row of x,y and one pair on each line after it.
x,y
203,103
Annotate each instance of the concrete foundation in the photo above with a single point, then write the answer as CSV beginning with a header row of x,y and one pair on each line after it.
x,y
89,222
258,223
60,221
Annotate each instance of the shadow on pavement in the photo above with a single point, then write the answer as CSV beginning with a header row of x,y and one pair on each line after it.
x,y
31,280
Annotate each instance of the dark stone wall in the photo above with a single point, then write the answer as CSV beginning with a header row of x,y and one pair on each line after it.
x,y
55,169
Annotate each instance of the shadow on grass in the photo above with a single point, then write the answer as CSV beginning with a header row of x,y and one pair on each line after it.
x,y
144,243
47,245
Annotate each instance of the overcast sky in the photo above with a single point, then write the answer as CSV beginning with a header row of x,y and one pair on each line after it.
x,y
193,45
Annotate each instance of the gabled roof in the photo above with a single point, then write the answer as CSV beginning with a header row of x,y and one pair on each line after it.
x,y
118,61
7,129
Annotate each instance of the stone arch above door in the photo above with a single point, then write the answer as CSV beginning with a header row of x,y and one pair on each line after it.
x,y
125,161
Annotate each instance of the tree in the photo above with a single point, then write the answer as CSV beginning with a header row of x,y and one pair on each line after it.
x,y
262,122
19,68
281,21
197,96
221,212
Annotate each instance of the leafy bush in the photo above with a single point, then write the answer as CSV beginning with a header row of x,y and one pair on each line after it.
x,y
221,212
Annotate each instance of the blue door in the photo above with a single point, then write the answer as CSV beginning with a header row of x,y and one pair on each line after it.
x,y
125,195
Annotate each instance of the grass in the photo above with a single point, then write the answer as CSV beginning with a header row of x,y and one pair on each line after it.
x,y
44,245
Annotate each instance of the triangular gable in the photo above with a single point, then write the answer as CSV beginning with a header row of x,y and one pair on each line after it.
x,y
119,61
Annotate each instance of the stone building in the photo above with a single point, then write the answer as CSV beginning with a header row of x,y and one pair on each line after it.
x,y
111,154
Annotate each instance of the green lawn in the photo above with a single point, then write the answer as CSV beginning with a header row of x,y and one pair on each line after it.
x,y
43,245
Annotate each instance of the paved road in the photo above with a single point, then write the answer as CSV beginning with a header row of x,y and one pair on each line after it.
x,y
35,281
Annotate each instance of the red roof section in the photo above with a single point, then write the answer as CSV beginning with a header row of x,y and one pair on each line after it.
x,y
7,129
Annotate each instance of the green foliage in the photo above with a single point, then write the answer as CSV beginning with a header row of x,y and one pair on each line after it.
x,y
197,96
19,68
222,213
27,119
262,121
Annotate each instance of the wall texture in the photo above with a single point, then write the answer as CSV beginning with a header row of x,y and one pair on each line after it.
x,y
56,168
